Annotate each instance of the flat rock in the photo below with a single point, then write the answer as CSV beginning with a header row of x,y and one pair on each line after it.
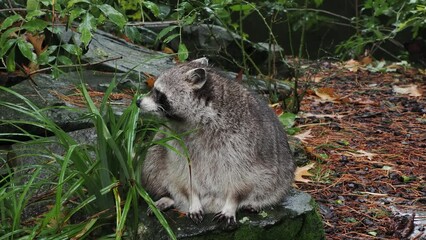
x,y
295,218
46,95
129,57
140,62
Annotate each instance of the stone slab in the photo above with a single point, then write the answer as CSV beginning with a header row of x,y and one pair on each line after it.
x,y
295,218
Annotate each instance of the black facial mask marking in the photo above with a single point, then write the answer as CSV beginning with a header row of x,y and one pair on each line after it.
x,y
162,100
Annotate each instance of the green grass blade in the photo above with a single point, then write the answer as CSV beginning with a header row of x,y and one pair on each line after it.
x,y
23,199
156,212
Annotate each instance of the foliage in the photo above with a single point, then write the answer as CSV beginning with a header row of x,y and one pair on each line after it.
x,y
96,181
25,33
135,9
380,21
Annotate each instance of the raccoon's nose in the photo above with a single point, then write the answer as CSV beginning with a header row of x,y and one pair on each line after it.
x,y
138,103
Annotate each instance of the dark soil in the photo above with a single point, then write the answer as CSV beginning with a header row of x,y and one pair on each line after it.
x,y
369,144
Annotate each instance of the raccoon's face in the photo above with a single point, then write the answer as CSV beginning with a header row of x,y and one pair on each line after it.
x,y
179,93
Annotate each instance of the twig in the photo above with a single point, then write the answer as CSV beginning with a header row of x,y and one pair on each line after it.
x,y
154,24
11,6
75,65
319,10
313,124
34,86
14,10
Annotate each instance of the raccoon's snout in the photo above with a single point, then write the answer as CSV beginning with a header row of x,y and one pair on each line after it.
x,y
138,103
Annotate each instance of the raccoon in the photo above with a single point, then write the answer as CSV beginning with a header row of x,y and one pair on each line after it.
x,y
233,153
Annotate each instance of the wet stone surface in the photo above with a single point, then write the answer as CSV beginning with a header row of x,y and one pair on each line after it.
x,y
295,218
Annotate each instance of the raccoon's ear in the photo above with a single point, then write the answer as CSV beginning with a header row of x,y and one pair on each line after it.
x,y
197,77
203,61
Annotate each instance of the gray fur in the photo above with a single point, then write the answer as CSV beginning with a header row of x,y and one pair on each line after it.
x,y
237,148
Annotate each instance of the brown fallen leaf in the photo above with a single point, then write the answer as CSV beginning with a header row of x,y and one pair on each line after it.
x,y
362,153
277,108
239,77
352,65
37,42
326,94
317,78
150,80
411,90
168,50
303,171
362,101
303,136
366,60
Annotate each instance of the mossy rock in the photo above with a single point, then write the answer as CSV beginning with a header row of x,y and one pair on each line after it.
x,y
295,218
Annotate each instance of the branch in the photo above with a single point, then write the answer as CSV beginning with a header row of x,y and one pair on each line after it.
x,y
154,24
318,10
14,10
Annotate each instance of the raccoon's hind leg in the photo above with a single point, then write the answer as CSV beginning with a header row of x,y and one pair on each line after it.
x,y
228,212
162,204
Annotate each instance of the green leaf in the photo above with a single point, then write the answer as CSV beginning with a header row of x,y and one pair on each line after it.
x,y
7,46
165,31
152,7
35,25
65,60
113,15
9,21
318,2
26,49
73,2
33,5
406,179
10,61
287,119
164,11
132,33
72,48
292,131
182,52
86,27
75,13
387,168
241,7
34,14
189,19
45,58
6,34
171,37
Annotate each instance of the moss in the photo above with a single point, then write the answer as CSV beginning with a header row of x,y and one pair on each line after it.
x,y
306,227
247,232
214,236
312,225
287,229
292,225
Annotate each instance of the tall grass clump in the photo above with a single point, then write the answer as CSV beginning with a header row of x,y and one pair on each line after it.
x,y
91,190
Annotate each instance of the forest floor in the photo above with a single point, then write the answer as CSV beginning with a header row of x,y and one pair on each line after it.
x,y
365,128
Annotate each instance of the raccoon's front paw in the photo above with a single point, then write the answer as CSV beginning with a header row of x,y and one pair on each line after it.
x,y
162,204
196,213
196,216
227,217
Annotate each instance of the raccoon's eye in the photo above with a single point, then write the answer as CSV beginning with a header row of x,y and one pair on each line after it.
x,y
159,97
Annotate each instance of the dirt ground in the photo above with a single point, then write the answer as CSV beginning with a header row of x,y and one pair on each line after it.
x,y
365,129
